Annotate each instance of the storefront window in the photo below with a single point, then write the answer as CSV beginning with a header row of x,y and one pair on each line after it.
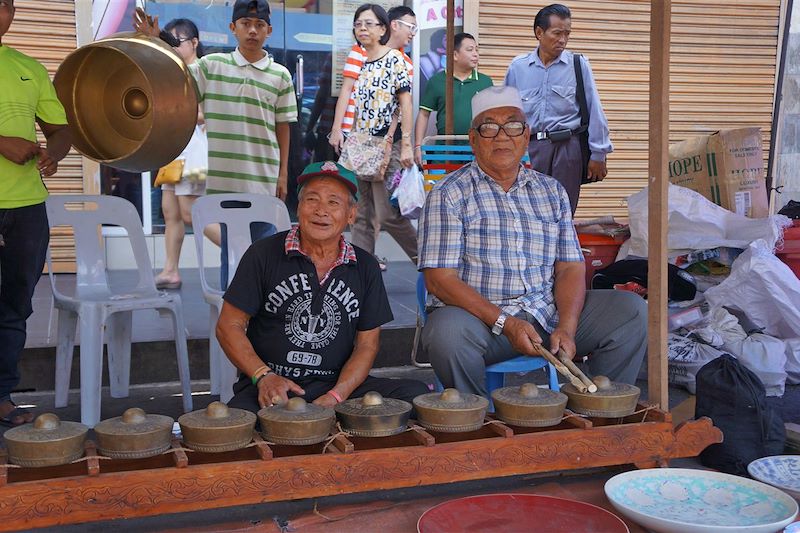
x,y
310,37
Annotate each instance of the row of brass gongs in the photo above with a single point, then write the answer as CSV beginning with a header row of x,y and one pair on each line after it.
x,y
218,428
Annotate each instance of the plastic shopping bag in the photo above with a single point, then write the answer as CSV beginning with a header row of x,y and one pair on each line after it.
x,y
410,193
763,289
696,223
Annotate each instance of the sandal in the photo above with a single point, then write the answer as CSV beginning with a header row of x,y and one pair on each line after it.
x,y
16,417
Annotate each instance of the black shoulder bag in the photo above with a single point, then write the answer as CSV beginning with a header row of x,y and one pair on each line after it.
x,y
583,137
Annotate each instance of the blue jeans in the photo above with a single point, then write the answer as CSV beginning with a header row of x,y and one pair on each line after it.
x,y
258,231
26,234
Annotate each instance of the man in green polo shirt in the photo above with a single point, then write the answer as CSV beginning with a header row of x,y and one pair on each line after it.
x,y
27,97
467,81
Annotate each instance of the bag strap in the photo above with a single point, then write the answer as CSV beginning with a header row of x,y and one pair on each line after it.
x,y
580,92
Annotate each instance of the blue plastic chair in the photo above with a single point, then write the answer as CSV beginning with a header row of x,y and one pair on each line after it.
x,y
495,374
438,160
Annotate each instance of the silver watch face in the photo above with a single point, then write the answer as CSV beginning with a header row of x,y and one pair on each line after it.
x,y
497,329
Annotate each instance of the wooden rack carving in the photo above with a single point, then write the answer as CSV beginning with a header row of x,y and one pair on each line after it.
x,y
180,481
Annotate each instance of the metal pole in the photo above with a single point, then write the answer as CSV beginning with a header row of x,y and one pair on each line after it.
x,y
448,92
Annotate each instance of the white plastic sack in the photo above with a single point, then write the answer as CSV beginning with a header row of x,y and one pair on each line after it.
x,y
722,327
762,354
765,356
763,289
410,193
685,358
696,223
792,361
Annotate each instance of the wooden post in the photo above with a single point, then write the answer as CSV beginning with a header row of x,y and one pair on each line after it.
x,y
448,87
660,17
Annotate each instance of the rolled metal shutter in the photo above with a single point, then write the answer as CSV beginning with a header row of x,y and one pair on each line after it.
x,y
722,69
45,30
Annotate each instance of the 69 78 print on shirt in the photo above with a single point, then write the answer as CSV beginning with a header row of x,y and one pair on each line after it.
x,y
303,329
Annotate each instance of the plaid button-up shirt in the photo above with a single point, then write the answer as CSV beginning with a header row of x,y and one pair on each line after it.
x,y
502,244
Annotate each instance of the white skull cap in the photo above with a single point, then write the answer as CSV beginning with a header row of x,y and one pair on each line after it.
x,y
497,96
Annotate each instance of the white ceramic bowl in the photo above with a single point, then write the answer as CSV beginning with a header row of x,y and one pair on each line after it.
x,y
699,501
782,471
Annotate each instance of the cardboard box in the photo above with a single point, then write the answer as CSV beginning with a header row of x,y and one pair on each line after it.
x,y
727,167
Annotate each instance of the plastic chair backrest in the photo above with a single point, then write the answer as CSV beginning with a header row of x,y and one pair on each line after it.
x,y
228,209
86,214
438,160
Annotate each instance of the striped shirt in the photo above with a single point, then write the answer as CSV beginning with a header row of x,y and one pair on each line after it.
x,y
352,69
242,102
502,244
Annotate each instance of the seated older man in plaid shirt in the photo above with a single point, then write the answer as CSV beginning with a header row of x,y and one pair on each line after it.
x,y
501,257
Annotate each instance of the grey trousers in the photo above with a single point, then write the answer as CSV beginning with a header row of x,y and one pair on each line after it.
x,y
612,327
375,212
562,161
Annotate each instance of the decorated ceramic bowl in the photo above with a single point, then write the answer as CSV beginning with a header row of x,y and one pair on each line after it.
x,y
690,501
782,471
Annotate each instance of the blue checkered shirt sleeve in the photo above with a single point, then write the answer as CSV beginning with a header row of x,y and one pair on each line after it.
x,y
568,248
441,243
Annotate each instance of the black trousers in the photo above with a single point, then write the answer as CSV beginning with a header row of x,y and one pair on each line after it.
x,y
26,235
245,394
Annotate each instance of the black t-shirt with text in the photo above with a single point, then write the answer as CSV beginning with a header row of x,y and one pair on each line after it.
x,y
303,331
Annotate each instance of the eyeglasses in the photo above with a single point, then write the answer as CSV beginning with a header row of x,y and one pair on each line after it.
x,y
490,130
412,27
369,24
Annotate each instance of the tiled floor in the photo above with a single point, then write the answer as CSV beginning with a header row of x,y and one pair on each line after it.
x,y
400,280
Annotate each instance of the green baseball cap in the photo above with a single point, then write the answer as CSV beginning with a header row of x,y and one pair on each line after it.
x,y
330,169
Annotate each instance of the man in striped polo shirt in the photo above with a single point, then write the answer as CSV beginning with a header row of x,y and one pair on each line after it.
x,y
248,101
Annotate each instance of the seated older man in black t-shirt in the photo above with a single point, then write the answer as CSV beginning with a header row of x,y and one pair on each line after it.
x,y
303,313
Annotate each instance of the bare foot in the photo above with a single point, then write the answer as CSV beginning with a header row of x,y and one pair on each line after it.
x,y
11,415
168,281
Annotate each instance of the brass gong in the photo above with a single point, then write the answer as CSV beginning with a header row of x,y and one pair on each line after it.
x,y
451,411
373,415
529,405
49,441
130,100
611,400
134,435
296,422
217,428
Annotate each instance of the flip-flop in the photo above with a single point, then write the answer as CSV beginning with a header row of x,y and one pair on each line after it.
x,y
20,412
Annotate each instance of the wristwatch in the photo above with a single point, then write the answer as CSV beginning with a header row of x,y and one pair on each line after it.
x,y
497,329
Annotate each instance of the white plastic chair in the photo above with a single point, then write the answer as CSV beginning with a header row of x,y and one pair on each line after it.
x,y
98,310
218,208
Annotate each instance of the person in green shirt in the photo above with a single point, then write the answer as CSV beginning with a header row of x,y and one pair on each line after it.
x,y
467,81
27,97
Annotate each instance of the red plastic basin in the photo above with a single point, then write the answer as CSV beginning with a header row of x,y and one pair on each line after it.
x,y
789,251
599,251
518,512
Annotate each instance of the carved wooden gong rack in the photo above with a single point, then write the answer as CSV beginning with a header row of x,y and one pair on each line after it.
x,y
98,488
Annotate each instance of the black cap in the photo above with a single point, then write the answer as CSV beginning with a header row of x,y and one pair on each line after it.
x,y
251,9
